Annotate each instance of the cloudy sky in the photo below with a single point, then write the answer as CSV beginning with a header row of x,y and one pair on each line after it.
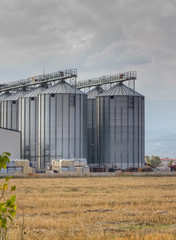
x,y
97,37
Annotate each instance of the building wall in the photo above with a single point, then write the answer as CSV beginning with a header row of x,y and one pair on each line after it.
x,y
10,141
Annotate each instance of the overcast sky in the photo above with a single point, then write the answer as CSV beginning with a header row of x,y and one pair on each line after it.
x,y
97,37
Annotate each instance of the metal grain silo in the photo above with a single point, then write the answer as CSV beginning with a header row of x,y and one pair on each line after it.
x,y
92,125
28,123
10,110
120,127
3,96
62,123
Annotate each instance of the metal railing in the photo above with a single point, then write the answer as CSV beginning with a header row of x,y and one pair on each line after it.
x,y
41,79
69,73
120,77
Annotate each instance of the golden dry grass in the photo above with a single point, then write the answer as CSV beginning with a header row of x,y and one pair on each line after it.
x,y
134,208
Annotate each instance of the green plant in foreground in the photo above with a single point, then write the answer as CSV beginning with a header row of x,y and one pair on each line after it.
x,y
7,204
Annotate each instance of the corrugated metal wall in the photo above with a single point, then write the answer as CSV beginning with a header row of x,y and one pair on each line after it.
x,y
62,130
2,98
91,131
28,123
121,130
92,125
10,111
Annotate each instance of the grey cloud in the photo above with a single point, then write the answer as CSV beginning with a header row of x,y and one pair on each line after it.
x,y
121,54
94,35
98,37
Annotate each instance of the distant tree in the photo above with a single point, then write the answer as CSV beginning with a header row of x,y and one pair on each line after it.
x,y
155,161
170,162
147,159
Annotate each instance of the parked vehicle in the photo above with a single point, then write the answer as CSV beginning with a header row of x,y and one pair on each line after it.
x,y
173,167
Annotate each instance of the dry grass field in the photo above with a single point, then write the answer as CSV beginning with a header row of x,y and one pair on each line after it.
x,y
108,208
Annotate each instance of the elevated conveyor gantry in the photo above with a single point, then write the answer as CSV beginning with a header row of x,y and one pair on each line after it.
x,y
41,79
72,75
110,79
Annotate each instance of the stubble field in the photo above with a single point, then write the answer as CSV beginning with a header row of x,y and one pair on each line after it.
x,y
95,208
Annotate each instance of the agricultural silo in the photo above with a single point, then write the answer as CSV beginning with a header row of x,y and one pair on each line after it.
x,y
120,127
10,111
92,125
62,123
3,96
28,109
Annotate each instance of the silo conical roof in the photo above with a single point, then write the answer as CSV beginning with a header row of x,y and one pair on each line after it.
x,y
34,92
4,96
15,96
92,94
120,90
62,87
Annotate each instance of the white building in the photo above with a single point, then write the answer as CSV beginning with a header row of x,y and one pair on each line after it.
x,y
10,141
